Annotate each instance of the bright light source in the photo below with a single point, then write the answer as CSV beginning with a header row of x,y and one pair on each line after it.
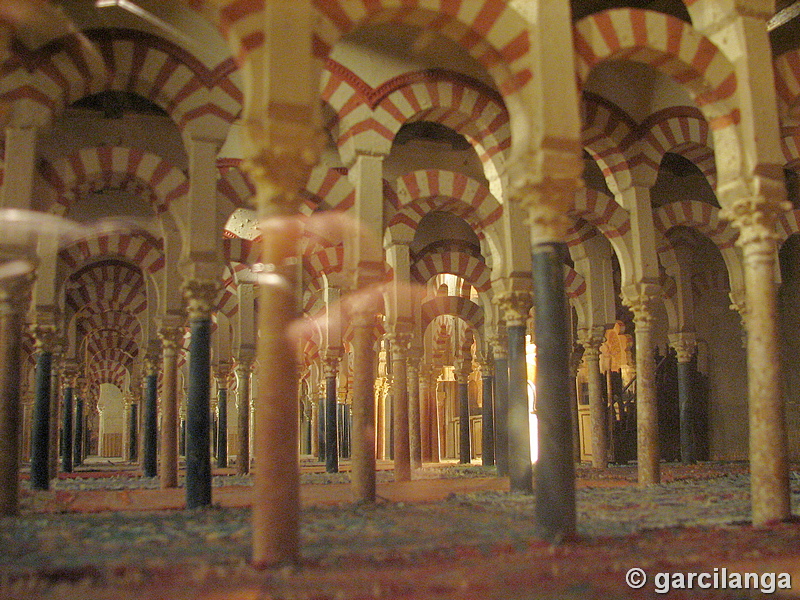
x,y
145,15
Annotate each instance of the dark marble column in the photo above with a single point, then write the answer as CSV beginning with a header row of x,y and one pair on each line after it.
x,y
685,345
55,410
555,468
66,432
40,432
150,424
501,403
243,416
520,468
330,367
464,449
13,303
198,413
133,433
222,417
487,436
78,446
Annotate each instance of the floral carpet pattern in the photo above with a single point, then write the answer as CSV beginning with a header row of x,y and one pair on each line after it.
x,y
474,545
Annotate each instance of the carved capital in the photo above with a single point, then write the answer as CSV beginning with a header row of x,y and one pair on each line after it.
x,y
222,373
755,217
171,337
15,289
399,342
641,299
200,296
45,335
330,365
150,365
515,307
684,344
591,339
499,344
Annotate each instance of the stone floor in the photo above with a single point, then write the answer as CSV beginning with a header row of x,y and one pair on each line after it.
x,y
454,532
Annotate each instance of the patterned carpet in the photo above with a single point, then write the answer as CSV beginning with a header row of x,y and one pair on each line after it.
x,y
479,544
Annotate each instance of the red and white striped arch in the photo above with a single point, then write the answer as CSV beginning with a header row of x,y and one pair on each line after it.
x,y
170,77
228,299
123,322
787,81
791,148
107,286
670,46
96,168
323,262
102,370
606,132
139,247
698,215
47,80
471,268
420,192
104,340
579,232
233,184
681,131
574,283
328,189
454,306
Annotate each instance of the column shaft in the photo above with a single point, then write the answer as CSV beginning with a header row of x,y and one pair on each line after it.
x,y
401,448
363,434
414,417
40,434
597,409
66,433
54,419
331,427
501,414
686,410
133,434
425,418
222,426
555,468
464,450
487,438
150,425
77,451
647,445
169,417
10,335
198,416
520,469
322,450
243,421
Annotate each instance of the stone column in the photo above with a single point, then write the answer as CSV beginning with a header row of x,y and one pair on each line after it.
x,y
640,299
755,219
133,433
414,411
13,303
462,379
684,345
575,358
66,433
426,423
222,375
150,420
55,409
171,336
363,434
330,368
200,295
591,340
77,450
40,426
500,351
487,436
515,307
242,372
402,452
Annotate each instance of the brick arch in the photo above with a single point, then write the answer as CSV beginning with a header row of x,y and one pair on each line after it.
x,y
454,306
95,168
787,80
790,142
50,78
674,48
470,268
101,340
324,261
139,248
107,286
228,297
120,321
605,132
463,104
682,131
420,192
574,283
169,76
328,189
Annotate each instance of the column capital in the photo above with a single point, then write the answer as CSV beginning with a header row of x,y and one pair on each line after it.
x,y
641,298
15,290
499,344
591,338
171,337
575,359
515,307
755,217
200,296
330,364
45,334
684,343
399,341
